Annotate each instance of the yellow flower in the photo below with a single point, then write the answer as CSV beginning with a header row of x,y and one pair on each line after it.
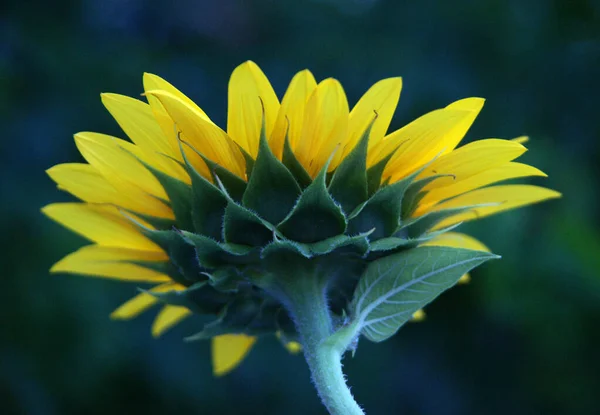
x,y
125,186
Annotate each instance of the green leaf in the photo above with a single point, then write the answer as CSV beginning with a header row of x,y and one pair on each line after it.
x,y
242,226
290,161
208,204
394,287
272,189
348,185
316,216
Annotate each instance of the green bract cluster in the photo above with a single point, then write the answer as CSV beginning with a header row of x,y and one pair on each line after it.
x,y
235,244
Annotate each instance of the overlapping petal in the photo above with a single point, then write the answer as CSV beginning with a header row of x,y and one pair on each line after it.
x,y
112,262
496,198
325,126
250,96
201,134
290,118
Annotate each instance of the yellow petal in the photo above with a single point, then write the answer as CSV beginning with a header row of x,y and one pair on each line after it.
x,y
167,317
250,92
473,106
493,175
416,141
293,347
111,262
229,350
325,126
380,100
203,135
505,197
471,159
457,240
435,133
465,279
138,122
155,82
142,302
291,113
84,182
109,156
102,224
167,125
418,316
521,140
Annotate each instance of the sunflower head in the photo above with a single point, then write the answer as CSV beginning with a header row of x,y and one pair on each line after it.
x,y
220,221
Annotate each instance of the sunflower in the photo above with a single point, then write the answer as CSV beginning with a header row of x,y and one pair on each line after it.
x,y
209,217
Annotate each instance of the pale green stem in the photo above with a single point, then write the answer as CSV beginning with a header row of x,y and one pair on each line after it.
x,y
307,303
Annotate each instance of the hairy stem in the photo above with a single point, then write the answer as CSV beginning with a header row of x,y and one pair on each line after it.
x,y
307,303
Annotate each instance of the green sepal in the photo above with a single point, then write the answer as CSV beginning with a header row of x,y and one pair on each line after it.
x,y
182,256
250,315
272,189
394,287
316,216
226,279
164,267
358,244
242,226
234,185
248,159
281,259
383,211
181,253
397,242
416,227
414,193
199,297
208,204
290,161
375,172
348,186
392,243
179,194
213,254
157,223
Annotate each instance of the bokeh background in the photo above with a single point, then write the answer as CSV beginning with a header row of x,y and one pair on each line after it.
x,y
522,338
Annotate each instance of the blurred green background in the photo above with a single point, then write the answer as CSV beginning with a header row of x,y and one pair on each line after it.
x,y
522,338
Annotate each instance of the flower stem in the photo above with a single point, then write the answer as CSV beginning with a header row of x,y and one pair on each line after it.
x,y
307,303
